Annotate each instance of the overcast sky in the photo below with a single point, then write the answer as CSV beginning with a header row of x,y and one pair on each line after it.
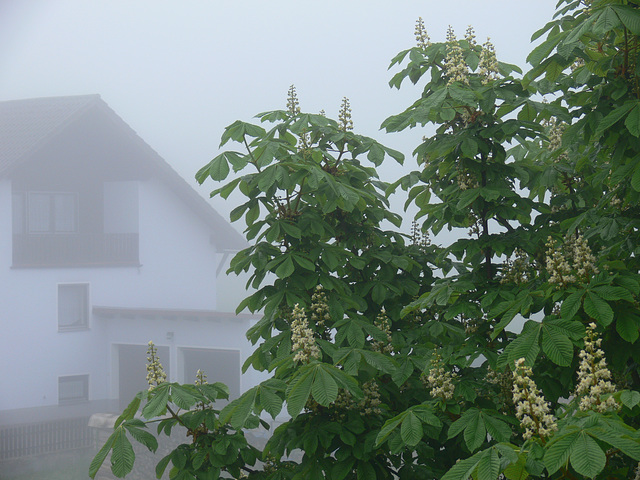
x,y
178,72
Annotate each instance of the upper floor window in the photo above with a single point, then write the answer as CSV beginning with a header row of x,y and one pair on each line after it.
x,y
73,306
52,212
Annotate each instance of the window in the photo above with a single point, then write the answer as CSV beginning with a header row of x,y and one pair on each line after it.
x,y
219,365
73,306
73,389
52,212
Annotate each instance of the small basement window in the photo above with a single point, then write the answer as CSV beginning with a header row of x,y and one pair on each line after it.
x,y
73,389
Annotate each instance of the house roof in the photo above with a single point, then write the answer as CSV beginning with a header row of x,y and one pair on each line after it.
x,y
26,126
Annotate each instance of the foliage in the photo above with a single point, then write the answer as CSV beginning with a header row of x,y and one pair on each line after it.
x,y
396,358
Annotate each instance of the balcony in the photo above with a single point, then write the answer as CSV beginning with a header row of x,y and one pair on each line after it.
x,y
75,250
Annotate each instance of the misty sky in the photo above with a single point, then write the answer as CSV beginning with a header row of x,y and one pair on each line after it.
x,y
178,72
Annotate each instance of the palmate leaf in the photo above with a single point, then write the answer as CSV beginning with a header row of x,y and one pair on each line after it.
x,y
632,121
556,345
613,117
587,458
238,411
625,443
629,17
411,429
630,398
463,469
558,451
101,456
571,305
389,426
131,409
596,307
270,401
627,326
158,404
299,391
142,436
122,456
489,465
324,388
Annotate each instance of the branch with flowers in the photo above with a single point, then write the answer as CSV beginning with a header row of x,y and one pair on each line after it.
x,y
393,357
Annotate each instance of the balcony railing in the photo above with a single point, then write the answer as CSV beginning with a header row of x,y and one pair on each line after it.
x,y
75,250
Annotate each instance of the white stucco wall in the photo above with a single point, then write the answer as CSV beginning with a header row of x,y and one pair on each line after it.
x,y
178,271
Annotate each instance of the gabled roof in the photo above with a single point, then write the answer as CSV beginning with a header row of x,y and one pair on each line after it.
x,y
26,126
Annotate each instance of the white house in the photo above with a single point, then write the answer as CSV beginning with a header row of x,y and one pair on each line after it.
x,y
103,247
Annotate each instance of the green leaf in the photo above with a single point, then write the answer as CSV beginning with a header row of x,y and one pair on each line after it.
x,y
635,179
162,465
613,117
341,469
286,268
411,430
101,456
130,411
587,458
122,456
517,471
299,391
219,168
598,308
475,433
270,401
629,17
324,388
158,404
630,398
558,452
498,429
571,305
524,346
627,326
238,411
489,465
142,436
462,469
388,427
556,346
633,121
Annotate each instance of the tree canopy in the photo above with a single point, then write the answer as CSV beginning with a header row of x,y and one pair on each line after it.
x,y
397,358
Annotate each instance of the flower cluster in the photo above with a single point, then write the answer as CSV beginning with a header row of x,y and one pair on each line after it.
x,y
344,115
303,341
422,38
570,264
531,408
637,472
369,405
320,309
155,372
466,180
201,378
594,378
470,36
577,63
383,323
488,65
455,68
418,237
439,380
517,271
293,104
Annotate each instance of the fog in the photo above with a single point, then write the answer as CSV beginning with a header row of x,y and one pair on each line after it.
x,y
107,110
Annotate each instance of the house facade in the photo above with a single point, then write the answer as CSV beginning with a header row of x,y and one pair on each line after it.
x,y
103,247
